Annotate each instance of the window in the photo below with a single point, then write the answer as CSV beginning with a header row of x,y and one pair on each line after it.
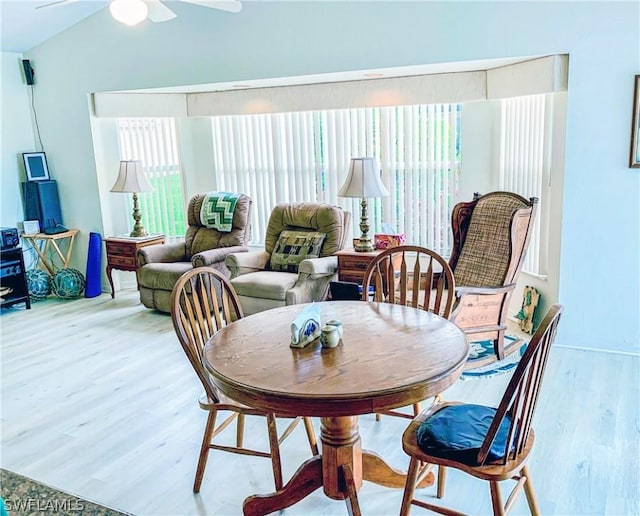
x,y
303,156
524,166
153,141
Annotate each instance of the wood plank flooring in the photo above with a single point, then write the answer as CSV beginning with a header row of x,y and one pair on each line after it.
x,y
99,400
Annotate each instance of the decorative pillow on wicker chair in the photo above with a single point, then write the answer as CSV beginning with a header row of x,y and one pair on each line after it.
x,y
293,247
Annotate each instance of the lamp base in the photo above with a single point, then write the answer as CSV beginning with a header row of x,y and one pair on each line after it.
x,y
137,233
363,245
138,228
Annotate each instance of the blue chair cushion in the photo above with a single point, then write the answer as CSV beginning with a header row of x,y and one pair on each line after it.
x,y
456,432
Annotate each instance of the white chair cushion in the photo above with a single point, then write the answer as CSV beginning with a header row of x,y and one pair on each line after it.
x,y
265,284
253,305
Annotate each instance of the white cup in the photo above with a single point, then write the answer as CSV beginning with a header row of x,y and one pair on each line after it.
x,y
329,336
338,324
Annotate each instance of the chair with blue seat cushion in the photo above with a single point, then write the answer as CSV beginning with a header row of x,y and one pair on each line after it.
x,y
488,443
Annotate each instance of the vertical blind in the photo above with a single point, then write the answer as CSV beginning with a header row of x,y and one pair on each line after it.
x,y
304,156
153,141
524,164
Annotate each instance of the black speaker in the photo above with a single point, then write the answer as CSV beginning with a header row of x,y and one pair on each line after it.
x,y
28,71
41,202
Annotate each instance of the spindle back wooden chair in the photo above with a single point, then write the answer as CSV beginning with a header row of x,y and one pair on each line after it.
x,y
487,443
412,276
204,301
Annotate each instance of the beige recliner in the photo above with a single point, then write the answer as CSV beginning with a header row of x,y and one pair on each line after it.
x,y
161,265
285,273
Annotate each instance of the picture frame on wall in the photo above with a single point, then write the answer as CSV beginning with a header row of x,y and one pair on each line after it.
x,y
634,156
35,165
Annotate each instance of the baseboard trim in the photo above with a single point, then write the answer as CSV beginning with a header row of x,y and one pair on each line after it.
x,y
599,350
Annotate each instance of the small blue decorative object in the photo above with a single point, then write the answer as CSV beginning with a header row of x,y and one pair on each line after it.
x,y
38,284
94,260
306,326
67,283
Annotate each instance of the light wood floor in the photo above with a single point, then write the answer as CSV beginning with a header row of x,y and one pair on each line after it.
x,y
99,400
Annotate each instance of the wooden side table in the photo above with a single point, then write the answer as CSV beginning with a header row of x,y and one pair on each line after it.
x,y
44,245
122,253
352,264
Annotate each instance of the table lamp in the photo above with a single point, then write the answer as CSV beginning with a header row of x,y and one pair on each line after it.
x,y
363,180
131,179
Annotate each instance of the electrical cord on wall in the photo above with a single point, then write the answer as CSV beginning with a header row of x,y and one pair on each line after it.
x,y
35,117
30,255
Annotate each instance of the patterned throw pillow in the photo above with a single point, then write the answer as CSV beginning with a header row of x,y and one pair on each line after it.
x,y
293,247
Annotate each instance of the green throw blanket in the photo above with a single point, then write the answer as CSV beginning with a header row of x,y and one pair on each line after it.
x,y
217,210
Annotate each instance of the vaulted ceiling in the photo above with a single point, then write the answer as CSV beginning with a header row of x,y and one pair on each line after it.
x,y
23,27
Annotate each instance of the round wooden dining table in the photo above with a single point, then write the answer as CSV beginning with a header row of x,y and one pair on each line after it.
x,y
390,356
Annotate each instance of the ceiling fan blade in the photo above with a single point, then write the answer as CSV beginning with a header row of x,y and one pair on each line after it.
x,y
56,2
158,12
231,6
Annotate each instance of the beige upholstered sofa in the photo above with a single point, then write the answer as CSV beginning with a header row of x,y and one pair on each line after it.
x,y
260,287
162,265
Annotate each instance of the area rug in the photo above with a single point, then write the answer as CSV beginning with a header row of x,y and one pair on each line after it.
x,y
485,348
22,496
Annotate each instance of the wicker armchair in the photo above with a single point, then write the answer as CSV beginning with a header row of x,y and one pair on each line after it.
x,y
491,235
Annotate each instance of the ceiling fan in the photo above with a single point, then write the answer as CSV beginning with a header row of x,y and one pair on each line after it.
x,y
132,12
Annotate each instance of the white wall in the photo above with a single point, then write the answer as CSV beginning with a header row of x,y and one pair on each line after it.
x,y
599,275
479,143
480,173
196,145
16,137
548,285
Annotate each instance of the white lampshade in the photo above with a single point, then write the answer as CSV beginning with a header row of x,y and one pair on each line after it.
x,y
129,12
131,178
363,180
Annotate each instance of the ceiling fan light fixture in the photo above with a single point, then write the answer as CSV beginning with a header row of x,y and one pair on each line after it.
x,y
129,12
